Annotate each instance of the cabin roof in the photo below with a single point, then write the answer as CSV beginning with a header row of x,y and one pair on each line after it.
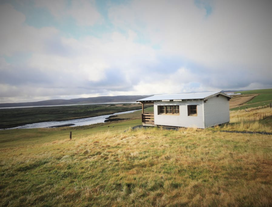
x,y
183,96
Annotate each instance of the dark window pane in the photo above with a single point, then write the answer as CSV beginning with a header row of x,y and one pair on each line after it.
x,y
168,109
192,110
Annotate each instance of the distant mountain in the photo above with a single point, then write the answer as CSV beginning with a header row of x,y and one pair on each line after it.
x,y
93,100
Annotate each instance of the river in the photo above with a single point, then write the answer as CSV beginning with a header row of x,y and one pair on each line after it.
x,y
72,123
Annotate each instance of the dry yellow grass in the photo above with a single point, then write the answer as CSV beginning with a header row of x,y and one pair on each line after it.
x,y
108,166
253,114
105,166
146,167
250,120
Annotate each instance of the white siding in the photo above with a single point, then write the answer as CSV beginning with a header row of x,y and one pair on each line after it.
x,y
181,120
216,111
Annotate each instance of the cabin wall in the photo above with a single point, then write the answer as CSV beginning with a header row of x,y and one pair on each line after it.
x,y
216,111
182,119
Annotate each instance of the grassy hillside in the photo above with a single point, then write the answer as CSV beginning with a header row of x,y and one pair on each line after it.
x,y
111,165
264,97
252,119
92,100
104,165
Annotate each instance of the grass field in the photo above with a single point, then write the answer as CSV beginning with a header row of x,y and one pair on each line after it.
x,y
111,165
257,119
105,166
264,97
251,112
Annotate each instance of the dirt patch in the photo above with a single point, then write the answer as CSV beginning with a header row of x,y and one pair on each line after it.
x,y
239,100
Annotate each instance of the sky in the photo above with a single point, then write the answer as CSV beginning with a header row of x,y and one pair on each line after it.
x,y
64,49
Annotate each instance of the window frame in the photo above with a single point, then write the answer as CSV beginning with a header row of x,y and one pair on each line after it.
x,y
192,111
168,110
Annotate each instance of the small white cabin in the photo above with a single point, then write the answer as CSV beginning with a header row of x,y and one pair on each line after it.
x,y
200,110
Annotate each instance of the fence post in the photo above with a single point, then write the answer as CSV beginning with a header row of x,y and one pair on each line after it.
x,y
70,135
270,105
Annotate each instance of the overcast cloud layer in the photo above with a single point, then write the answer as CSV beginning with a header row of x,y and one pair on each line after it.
x,y
82,48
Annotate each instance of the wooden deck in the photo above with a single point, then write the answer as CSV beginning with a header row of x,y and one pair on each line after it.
x,y
148,119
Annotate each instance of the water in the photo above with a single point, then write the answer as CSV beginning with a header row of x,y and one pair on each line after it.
x,y
73,122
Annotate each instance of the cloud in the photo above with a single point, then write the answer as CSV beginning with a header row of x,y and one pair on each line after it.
x,y
15,36
205,4
83,11
182,80
56,8
233,36
86,66
134,47
233,33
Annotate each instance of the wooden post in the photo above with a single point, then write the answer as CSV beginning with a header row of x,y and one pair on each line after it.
x,y
270,105
142,112
70,135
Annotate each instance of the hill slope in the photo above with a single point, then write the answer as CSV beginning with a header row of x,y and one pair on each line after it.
x,y
105,166
101,99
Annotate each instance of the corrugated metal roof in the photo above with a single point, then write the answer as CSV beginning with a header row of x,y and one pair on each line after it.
x,y
182,96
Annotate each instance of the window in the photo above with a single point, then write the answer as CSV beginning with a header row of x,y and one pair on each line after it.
x,y
192,110
174,109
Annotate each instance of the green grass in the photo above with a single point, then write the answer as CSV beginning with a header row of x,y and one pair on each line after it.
x,y
260,91
110,165
264,98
